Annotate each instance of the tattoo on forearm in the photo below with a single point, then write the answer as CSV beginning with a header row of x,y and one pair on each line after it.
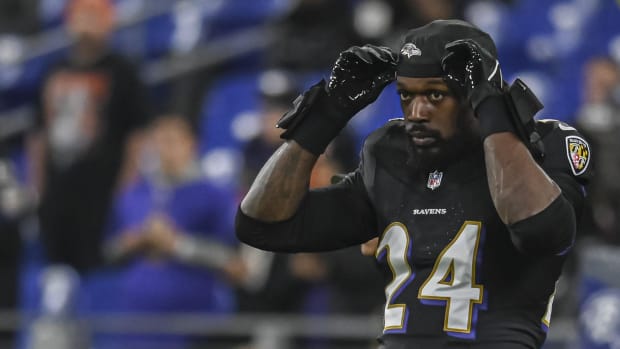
x,y
281,184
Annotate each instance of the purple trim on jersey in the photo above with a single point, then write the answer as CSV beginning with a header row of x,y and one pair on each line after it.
x,y
410,249
484,305
544,327
434,302
566,250
406,322
382,255
471,335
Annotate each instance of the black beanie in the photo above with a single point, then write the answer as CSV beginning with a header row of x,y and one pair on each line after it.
x,y
423,47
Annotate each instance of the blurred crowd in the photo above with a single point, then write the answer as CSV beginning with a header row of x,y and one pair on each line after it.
x,y
109,206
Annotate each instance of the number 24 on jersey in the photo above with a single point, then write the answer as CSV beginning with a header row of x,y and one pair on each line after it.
x,y
452,281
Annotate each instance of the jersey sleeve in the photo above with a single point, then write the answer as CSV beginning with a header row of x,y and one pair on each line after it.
x,y
567,161
329,218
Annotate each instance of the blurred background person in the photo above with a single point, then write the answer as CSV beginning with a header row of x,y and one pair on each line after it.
x,y
91,104
277,89
286,279
15,205
311,34
157,223
599,118
352,278
18,16
597,263
266,283
341,282
384,21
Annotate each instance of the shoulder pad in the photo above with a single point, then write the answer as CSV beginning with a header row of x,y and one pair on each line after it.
x,y
566,150
379,134
389,148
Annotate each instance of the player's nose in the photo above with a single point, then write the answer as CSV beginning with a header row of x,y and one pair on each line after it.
x,y
418,110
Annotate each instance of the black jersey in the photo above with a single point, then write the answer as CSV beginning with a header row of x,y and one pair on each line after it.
x,y
453,274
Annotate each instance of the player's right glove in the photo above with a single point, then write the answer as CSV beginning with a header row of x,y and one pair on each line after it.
x,y
357,78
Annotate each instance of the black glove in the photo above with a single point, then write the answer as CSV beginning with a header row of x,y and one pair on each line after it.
x,y
472,70
475,74
357,78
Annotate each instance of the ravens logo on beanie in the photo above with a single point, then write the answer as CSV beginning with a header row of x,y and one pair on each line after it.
x,y
424,47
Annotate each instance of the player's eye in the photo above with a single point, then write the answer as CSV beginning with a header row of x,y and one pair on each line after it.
x,y
436,96
404,95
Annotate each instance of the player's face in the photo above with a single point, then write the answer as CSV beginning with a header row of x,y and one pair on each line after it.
x,y
438,123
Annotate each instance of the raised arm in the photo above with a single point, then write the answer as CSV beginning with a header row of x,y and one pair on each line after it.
x,y
541,220
280,191
358,77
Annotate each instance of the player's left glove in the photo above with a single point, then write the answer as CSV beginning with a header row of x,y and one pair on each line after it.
x,y
474,73
472,70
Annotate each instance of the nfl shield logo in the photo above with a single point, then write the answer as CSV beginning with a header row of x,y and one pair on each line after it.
x,y
434,180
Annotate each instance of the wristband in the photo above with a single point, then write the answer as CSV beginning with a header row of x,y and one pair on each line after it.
x,y
314,120
494,116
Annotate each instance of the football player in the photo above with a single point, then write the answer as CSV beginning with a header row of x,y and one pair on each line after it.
x,y
473,229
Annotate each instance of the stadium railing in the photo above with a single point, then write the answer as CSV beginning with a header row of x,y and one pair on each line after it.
x,y
271,331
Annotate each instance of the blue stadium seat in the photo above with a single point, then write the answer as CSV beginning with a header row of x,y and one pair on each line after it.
x,y
230,96
237,14
158,35
51,12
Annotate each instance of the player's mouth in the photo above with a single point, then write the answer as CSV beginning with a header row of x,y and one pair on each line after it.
x,y
423,140
422,137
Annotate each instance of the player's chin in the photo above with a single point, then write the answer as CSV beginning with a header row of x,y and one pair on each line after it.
x,y
429,153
